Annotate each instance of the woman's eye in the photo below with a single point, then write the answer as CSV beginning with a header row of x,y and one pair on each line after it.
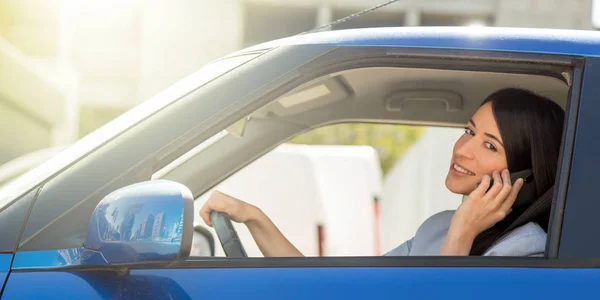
x,y
469,131
490,146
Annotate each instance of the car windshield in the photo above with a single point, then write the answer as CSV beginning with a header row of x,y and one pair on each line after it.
x,y
24,183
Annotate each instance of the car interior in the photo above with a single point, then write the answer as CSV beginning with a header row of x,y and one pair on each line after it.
x,y
411,96
392,95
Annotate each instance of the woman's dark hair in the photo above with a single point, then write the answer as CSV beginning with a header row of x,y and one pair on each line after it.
x,y
531,129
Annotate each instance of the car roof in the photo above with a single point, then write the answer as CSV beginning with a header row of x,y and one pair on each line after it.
x,y
524,40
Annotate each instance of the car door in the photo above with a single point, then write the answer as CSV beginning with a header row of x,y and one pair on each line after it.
x,y
58,217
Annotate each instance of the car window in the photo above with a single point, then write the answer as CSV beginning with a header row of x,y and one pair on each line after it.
x,y
118,125
360,189
347,189
177,162
12,169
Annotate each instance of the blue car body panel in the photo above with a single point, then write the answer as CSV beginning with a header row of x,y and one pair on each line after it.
x,y
520,40
5,261
52,285
310,283
47,259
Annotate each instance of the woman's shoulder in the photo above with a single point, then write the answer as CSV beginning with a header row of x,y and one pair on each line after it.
x,y
526,240
438,221
428,238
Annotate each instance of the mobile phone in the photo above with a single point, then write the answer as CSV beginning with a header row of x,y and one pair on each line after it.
x,y
527,194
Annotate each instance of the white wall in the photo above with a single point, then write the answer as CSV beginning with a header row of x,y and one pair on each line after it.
x,y
566,14
349,179
414,189
300,187
283,184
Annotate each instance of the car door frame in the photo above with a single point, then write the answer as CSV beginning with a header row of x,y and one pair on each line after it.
x,y
580,224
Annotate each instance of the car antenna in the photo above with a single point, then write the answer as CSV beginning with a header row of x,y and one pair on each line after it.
x,y
350,17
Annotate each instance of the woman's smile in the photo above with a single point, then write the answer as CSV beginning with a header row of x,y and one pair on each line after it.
x,y
458,170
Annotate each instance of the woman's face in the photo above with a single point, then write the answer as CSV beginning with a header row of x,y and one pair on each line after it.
x,y
478,152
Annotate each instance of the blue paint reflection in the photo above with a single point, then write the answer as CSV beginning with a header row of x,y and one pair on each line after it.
x,y
48,258
92,285
5,260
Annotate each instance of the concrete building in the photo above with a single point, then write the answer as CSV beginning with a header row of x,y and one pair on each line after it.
x,y
69,66
157,226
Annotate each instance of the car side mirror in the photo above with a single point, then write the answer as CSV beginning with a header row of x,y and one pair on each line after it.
x,y
150,221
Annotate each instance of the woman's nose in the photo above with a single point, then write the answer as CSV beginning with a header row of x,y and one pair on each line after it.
x,y
466,149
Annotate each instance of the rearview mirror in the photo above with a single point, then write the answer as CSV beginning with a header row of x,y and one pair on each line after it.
x,y
148,221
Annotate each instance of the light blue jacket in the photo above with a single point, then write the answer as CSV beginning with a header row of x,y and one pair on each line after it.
x,y
527,240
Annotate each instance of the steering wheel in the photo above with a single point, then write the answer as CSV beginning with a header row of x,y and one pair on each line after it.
x,y
232,245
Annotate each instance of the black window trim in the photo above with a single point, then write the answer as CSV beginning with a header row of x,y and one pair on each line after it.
x,y
337,262
559,198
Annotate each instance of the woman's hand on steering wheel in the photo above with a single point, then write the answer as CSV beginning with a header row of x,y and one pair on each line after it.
x,y
237,210
267,236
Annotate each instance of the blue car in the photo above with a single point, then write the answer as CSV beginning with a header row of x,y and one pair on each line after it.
x,y
111,217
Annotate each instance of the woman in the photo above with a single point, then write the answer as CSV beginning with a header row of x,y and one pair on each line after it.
x,y
513,129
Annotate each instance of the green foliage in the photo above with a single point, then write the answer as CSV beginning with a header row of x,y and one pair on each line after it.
x,y
390,141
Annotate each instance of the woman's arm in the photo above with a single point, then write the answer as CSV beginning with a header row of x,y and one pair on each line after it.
x,y
457,244
267,236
